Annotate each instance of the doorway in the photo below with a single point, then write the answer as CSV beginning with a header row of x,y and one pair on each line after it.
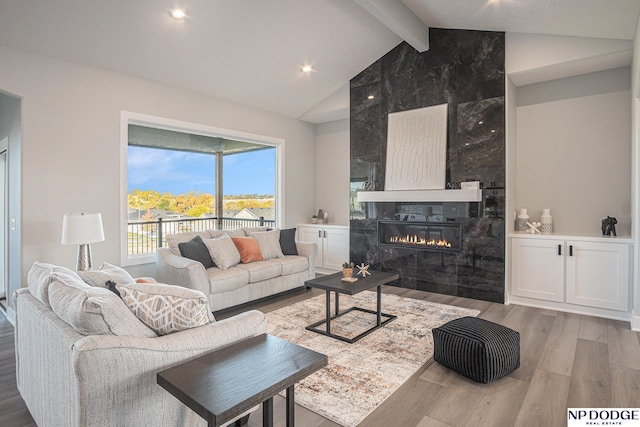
x,y
4,193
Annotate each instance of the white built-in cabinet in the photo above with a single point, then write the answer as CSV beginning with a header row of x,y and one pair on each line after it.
x,y
332,241
576,274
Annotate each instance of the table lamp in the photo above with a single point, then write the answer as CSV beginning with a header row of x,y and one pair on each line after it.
x,y
82,229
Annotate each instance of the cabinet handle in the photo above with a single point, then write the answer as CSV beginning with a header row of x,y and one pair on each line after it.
x,y
570,250
325,234
559,249
320,234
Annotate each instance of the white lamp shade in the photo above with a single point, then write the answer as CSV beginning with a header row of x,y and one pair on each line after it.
x,y
81,229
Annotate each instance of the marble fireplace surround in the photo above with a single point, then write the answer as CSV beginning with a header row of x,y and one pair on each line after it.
x,y
464,69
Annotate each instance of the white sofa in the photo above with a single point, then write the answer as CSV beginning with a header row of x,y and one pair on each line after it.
x,y
71,378
241,283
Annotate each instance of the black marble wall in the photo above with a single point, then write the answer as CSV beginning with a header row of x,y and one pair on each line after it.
x,y
464,69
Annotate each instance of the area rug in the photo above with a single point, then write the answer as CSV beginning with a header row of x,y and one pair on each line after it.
x,y
360,376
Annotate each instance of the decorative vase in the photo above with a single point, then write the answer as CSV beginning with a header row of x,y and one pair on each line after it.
x,y
523,218
547,222
347,272
320,216
325,218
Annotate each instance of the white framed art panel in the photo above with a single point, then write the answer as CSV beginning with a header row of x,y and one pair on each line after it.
x,y
417,149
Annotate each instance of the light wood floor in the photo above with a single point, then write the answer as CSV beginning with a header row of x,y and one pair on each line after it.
x,y
567,361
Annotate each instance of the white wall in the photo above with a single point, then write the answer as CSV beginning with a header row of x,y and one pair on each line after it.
x,y
332,171
533,58
10,126
71,146
635,120
573,150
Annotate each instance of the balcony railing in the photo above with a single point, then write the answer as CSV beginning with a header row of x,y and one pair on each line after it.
x,y
144,237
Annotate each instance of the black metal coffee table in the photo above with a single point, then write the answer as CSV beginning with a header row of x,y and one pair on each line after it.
x,y
334,283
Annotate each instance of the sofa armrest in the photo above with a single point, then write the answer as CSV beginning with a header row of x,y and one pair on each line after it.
x,y
177,270
116,375
310,251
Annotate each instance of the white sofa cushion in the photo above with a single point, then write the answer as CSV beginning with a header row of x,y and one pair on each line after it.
x,y
248,230
173,240
269,242
40,277
262,270
93,310
226,280
231,233
166,308
106,272
223,252
294,264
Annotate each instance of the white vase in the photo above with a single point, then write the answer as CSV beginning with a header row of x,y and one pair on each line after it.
x,y
547,222
523,218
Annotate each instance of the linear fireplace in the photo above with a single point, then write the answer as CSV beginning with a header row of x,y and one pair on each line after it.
x,y
433,236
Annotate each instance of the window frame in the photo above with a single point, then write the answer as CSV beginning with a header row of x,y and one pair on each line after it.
x,y
127,118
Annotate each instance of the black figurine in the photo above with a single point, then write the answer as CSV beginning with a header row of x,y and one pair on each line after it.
x,y
609,226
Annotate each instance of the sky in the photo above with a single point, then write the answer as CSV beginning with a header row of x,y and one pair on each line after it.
x,y
179,172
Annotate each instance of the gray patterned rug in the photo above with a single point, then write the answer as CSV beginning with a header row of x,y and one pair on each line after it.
x,y
362,375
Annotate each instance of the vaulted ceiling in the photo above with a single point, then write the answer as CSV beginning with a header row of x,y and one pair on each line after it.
x,y
252,51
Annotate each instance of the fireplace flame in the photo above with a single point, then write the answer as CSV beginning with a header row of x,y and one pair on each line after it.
x,y
415,240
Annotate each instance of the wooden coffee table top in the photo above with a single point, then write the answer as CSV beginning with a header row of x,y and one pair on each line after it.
x,y
221,385
333,282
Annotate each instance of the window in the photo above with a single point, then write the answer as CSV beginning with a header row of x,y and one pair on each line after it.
x,y
179,177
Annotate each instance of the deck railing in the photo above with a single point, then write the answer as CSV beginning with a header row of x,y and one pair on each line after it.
x,y
144,237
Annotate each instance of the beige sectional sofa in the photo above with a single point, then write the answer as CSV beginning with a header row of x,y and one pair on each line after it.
x,y
235,283
84,359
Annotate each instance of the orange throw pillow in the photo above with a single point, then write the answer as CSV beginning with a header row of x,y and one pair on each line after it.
x,y
248,248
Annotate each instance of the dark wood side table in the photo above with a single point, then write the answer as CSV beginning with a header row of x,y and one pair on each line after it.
x,y
333,283
221,385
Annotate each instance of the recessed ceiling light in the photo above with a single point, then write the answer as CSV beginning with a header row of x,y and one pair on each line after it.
x,y
370,97
306,69
178,13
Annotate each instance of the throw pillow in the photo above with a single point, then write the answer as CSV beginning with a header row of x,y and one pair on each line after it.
x,y
288,241
248,248
223,252
166,308
173,240
40,277
93,310
269,242
196,250
106,272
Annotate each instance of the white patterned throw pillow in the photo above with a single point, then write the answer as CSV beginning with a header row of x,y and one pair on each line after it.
x,y
166,308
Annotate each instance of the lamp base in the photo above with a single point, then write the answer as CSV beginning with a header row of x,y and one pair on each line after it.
x,y
84,258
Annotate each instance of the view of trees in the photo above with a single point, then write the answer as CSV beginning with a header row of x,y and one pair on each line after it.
x,y
194,203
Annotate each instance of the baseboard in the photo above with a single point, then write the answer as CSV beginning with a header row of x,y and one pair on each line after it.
x,y
635,323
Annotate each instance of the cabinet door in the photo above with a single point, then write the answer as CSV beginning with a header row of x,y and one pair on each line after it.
x,y
598,275
537,269
336,247
314,235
